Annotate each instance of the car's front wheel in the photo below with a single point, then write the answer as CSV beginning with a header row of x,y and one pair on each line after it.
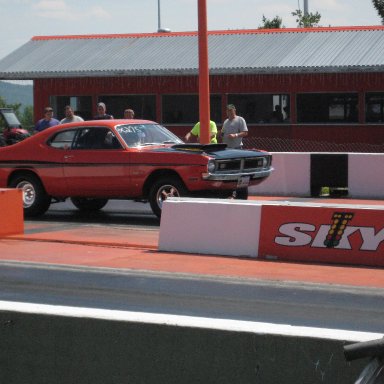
x,y
162,189
35,200
242,193
89,204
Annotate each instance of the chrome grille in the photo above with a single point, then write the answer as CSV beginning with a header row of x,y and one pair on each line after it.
x,y
229,165
252,163
239,165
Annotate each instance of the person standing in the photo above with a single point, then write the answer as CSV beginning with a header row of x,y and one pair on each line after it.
x,y
102,113
70,116
129,114
195,131
234,129
47,121
277,115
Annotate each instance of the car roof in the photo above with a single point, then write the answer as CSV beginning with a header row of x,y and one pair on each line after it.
x,y
109,122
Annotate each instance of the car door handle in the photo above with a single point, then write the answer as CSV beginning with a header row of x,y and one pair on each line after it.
x,y
67,157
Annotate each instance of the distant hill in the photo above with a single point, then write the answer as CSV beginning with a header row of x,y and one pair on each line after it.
x,y
14,93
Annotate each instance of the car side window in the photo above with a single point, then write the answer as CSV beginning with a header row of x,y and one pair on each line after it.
x,y
63,140
96,138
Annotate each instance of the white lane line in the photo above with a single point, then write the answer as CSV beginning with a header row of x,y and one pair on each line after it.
x,y
189,321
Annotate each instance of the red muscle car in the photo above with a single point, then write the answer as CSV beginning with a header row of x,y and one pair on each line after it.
x,y
93,161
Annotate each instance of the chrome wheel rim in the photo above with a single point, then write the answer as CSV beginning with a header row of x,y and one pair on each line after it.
x,y
29,193
165,192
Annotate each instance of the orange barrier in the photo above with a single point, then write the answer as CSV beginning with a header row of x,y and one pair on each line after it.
x,y
11,212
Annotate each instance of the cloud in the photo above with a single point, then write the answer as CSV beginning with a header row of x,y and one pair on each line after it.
x,y
100,12
326,5
14,2
56,9
60,9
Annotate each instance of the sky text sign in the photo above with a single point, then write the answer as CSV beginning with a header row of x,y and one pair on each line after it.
x,y
334,234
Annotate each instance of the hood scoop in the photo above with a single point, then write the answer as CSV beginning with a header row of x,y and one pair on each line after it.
x,y
200,147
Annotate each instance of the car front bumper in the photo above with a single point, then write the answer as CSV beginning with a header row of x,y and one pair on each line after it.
x,y
259,174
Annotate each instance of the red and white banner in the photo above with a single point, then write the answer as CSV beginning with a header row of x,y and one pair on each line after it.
x,y
322,234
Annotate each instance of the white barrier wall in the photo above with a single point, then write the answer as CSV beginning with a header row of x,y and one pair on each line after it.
x,y
291,176
210,226
280,230
56,344
366,175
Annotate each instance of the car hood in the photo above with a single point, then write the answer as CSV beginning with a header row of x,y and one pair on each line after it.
x,y
219,151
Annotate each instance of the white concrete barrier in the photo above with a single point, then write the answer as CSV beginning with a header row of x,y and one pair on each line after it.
x,y
291,177
282,230
366,175
210,226
56,344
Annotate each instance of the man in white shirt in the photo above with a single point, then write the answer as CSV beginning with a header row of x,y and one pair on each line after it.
x,y
70,116
234,129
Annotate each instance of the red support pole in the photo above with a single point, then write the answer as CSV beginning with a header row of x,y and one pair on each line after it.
x,y
204,104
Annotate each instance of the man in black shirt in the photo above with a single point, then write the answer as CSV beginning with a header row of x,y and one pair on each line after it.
x,y
101,112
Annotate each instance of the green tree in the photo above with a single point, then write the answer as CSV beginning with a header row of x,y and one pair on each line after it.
x,y
275,23
3,104
15,107
306,21
27,118
379,5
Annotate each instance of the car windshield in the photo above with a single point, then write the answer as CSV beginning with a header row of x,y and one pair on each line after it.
x,y
146,134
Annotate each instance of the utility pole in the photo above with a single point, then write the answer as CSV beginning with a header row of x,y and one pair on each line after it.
x,y
159,29
204,106
305,7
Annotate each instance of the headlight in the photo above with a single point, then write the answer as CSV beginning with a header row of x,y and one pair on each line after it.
x,y
265,162
211,166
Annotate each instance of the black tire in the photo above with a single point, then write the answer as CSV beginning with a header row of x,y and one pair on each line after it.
x,y
35,200
242,194
162,189
89,204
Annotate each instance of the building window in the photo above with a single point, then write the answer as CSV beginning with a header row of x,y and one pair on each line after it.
x,y
374,107
143,105
184,109
81,105
327,108
261,108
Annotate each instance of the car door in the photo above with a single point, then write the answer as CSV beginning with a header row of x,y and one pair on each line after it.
x,y
96,164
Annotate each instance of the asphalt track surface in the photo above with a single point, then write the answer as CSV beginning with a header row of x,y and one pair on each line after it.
x,y
67,260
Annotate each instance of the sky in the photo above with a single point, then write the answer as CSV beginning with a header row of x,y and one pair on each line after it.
x,y
23,19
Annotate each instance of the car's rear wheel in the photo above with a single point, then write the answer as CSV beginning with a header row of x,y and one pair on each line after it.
x,y
89,204
35,200
162,189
